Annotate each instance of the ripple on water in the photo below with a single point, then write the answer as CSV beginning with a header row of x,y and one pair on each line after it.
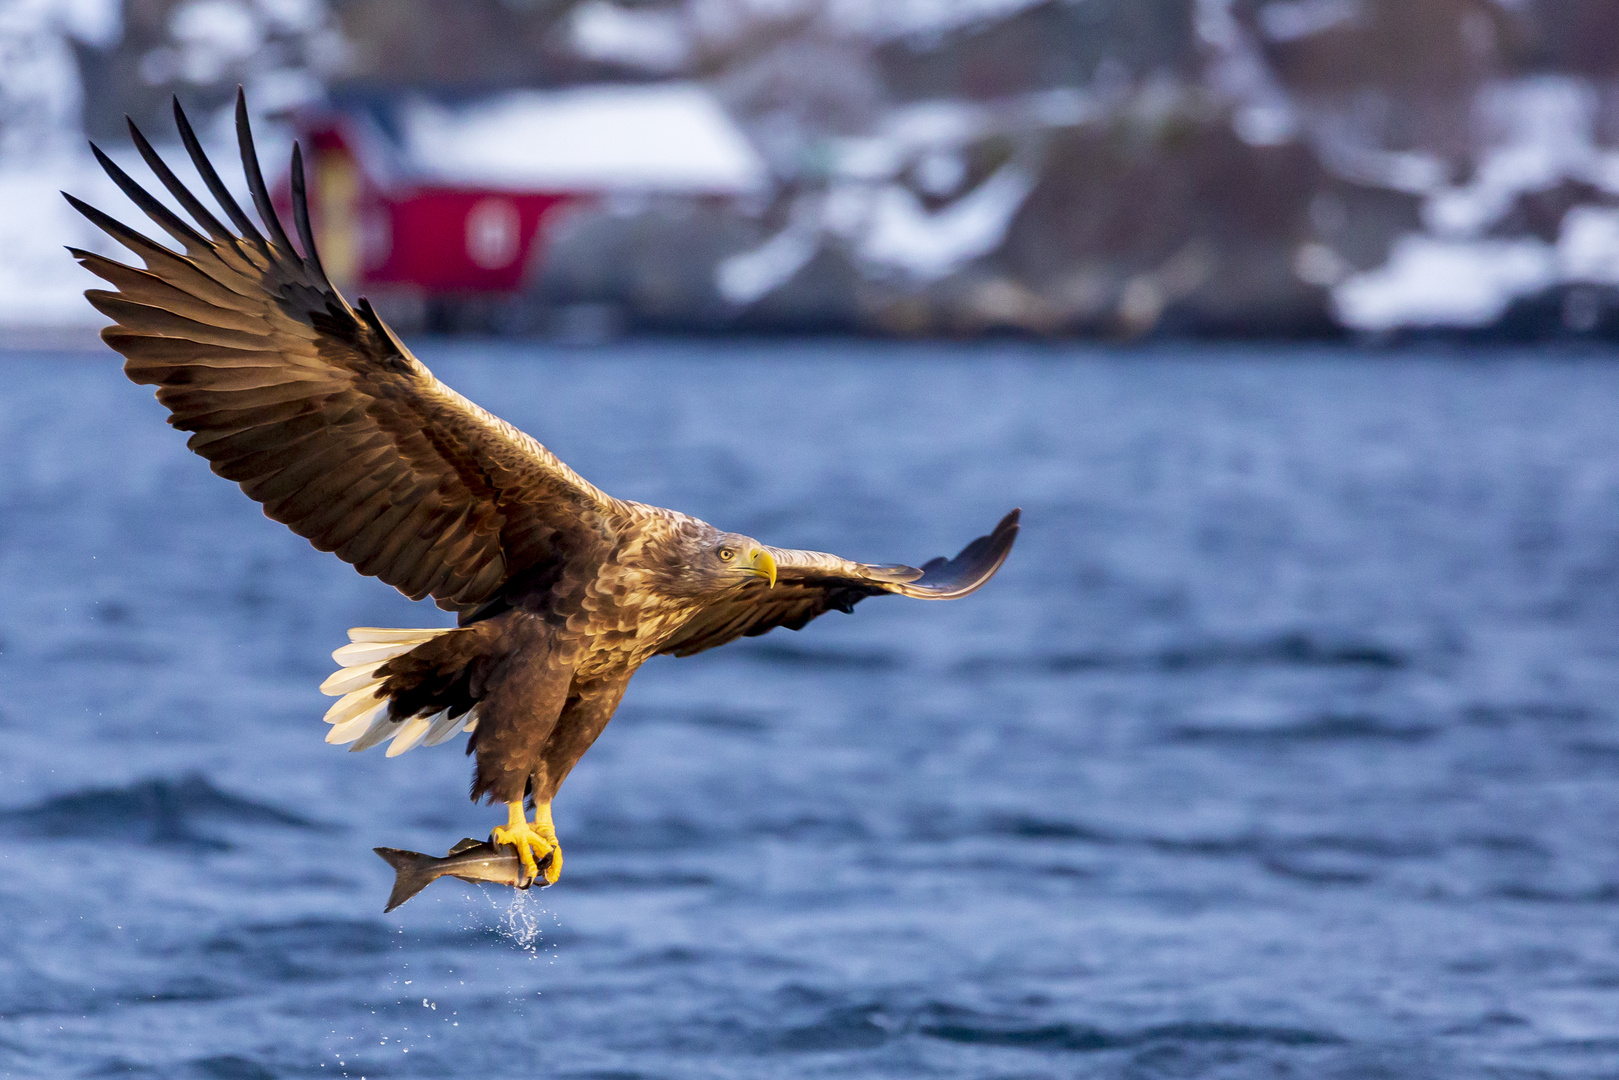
x,y
160,811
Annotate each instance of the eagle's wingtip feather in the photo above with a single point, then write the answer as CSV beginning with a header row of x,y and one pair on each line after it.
x,y
972,567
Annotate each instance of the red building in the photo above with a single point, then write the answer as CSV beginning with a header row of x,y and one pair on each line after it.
x,y
415,197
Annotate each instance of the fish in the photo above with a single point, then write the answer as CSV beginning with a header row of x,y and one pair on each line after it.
x,y
470,860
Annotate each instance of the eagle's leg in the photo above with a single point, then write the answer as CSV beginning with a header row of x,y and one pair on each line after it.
x,y
533,841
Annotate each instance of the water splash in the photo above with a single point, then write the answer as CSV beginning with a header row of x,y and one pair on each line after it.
x,y
519,922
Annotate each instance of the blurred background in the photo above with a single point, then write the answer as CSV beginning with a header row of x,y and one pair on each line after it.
x,y
1285,744
913,167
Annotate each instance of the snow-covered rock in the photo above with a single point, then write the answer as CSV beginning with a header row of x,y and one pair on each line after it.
x,y
1433,282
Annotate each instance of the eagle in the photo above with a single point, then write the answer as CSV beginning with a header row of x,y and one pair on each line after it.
x,y
322,415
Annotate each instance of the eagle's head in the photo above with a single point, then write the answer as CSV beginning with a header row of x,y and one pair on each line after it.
x,y
713,564
730,560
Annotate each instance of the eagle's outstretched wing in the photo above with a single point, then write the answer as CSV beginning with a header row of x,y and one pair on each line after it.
x,y
315,408
811,583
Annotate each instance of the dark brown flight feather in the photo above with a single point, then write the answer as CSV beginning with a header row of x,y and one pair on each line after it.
x,y
317,410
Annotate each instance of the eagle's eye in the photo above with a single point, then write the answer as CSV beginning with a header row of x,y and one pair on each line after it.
x,y
726,554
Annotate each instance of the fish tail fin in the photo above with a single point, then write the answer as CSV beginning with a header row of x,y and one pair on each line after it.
x,y
413,872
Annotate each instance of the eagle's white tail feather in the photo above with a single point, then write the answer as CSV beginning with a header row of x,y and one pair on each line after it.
x,y
409,734
382,634
381,730
445,726
346,680
359,717
356,726
366,652
353,704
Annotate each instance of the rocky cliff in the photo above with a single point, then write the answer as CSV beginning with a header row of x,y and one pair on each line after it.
x,y
1040,166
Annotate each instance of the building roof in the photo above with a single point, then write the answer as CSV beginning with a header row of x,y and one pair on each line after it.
x,y
661,137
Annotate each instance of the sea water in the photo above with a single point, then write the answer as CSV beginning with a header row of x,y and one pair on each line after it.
x,y
1285,744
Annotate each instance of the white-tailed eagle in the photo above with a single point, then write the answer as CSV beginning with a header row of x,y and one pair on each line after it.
x,y
321,414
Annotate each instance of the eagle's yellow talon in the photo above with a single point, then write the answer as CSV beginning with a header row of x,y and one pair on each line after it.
x,y
553,869
530,845
534,842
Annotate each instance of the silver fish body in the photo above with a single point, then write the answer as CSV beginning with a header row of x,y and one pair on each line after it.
x,y
470,860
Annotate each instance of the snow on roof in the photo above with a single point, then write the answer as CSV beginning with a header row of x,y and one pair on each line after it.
x,y
664,137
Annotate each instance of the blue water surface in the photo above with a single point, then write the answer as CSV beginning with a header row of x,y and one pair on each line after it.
x,y
1285,745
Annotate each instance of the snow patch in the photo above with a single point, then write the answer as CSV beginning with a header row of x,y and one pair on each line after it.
x,y
1542,132
1434,282
40,283
226,26
1265,123
1410,171
887,228
1262,113
1588,245
901,234
40,96
211,37
1290,20
919,18
294,16
940,172
750,275
651,40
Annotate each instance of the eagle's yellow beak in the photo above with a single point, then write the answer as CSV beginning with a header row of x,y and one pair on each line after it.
x,y
760,563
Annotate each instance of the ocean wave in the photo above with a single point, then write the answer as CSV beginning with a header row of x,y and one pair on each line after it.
x,y
1292,649
159,811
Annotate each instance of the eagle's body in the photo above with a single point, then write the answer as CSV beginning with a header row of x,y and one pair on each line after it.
x,y
321,414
